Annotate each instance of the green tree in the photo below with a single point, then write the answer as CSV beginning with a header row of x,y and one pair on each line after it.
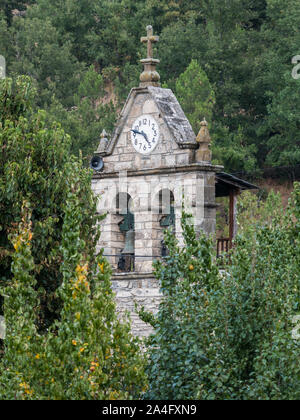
x,y
5,38
244,47
231,150
35,166
40,53
240,102
7,6
186,276
217,41
88,117
63,339
281,124
230,331
168,12
88,353
195,94
180,42
106,32
73,20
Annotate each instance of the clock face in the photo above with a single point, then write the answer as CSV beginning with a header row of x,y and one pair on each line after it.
x,y
145,134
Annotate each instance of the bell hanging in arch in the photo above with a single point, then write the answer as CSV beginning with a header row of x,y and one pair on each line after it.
x,y
129,243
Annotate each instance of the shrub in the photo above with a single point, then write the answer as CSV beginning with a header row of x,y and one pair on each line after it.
x,y
63,338
36,165
228,334
87,353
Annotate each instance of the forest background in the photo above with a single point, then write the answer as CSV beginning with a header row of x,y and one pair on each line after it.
x,y
230,61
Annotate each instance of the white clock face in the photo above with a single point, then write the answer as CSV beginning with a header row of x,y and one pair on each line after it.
x,y
145,134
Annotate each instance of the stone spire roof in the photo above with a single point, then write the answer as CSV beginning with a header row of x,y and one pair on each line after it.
x,y
171,112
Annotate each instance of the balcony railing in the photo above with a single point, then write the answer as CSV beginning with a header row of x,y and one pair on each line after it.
x,y
223,247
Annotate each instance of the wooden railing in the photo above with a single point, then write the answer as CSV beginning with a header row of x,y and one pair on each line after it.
x,y
223,247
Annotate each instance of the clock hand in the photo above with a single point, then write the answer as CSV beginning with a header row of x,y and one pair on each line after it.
x,y
136,131
142,134
146,138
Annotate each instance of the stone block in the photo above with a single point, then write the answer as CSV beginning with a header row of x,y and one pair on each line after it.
x,y
150,107
170,160
111,158
136,110
123,294
182,159
126,157
209,194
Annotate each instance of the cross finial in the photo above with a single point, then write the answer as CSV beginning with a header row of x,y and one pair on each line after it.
x,y
149,77
150,39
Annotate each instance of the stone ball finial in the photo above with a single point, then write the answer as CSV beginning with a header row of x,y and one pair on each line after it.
x,y
204,122
203,135
203,154
103,142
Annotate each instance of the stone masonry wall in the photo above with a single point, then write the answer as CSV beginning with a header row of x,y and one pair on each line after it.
x,y
167,152
170,166
198,188
142,290
141,287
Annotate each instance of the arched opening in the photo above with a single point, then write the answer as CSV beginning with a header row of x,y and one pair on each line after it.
x,y
127,233
164,219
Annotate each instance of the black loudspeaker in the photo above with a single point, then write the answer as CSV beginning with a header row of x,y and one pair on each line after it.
x,y
97,163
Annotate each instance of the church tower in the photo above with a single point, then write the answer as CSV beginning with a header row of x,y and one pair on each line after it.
x,y
142,172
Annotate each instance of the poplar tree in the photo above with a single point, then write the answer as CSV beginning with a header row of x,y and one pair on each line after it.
x,y
35,166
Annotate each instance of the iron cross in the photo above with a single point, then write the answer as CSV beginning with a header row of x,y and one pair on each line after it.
x,y
150,39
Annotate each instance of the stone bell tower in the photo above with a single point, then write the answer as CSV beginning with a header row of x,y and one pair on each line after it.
x,y
152,159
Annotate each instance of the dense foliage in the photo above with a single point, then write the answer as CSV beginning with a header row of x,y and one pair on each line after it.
x,y
88,353
230,332
243,48
63,339
35,163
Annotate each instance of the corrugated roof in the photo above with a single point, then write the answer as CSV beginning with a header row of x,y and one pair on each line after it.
x,y
234,181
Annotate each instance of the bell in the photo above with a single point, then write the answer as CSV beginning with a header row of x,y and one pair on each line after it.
x,y
129,243
126,260
169,219
127,223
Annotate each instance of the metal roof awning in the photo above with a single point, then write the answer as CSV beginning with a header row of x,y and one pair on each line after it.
x,y
227,182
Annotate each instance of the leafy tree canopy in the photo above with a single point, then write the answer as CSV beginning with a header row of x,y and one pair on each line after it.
x,y
230,331
35,167
244,47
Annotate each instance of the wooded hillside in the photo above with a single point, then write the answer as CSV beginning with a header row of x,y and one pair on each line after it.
x,y
228,59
